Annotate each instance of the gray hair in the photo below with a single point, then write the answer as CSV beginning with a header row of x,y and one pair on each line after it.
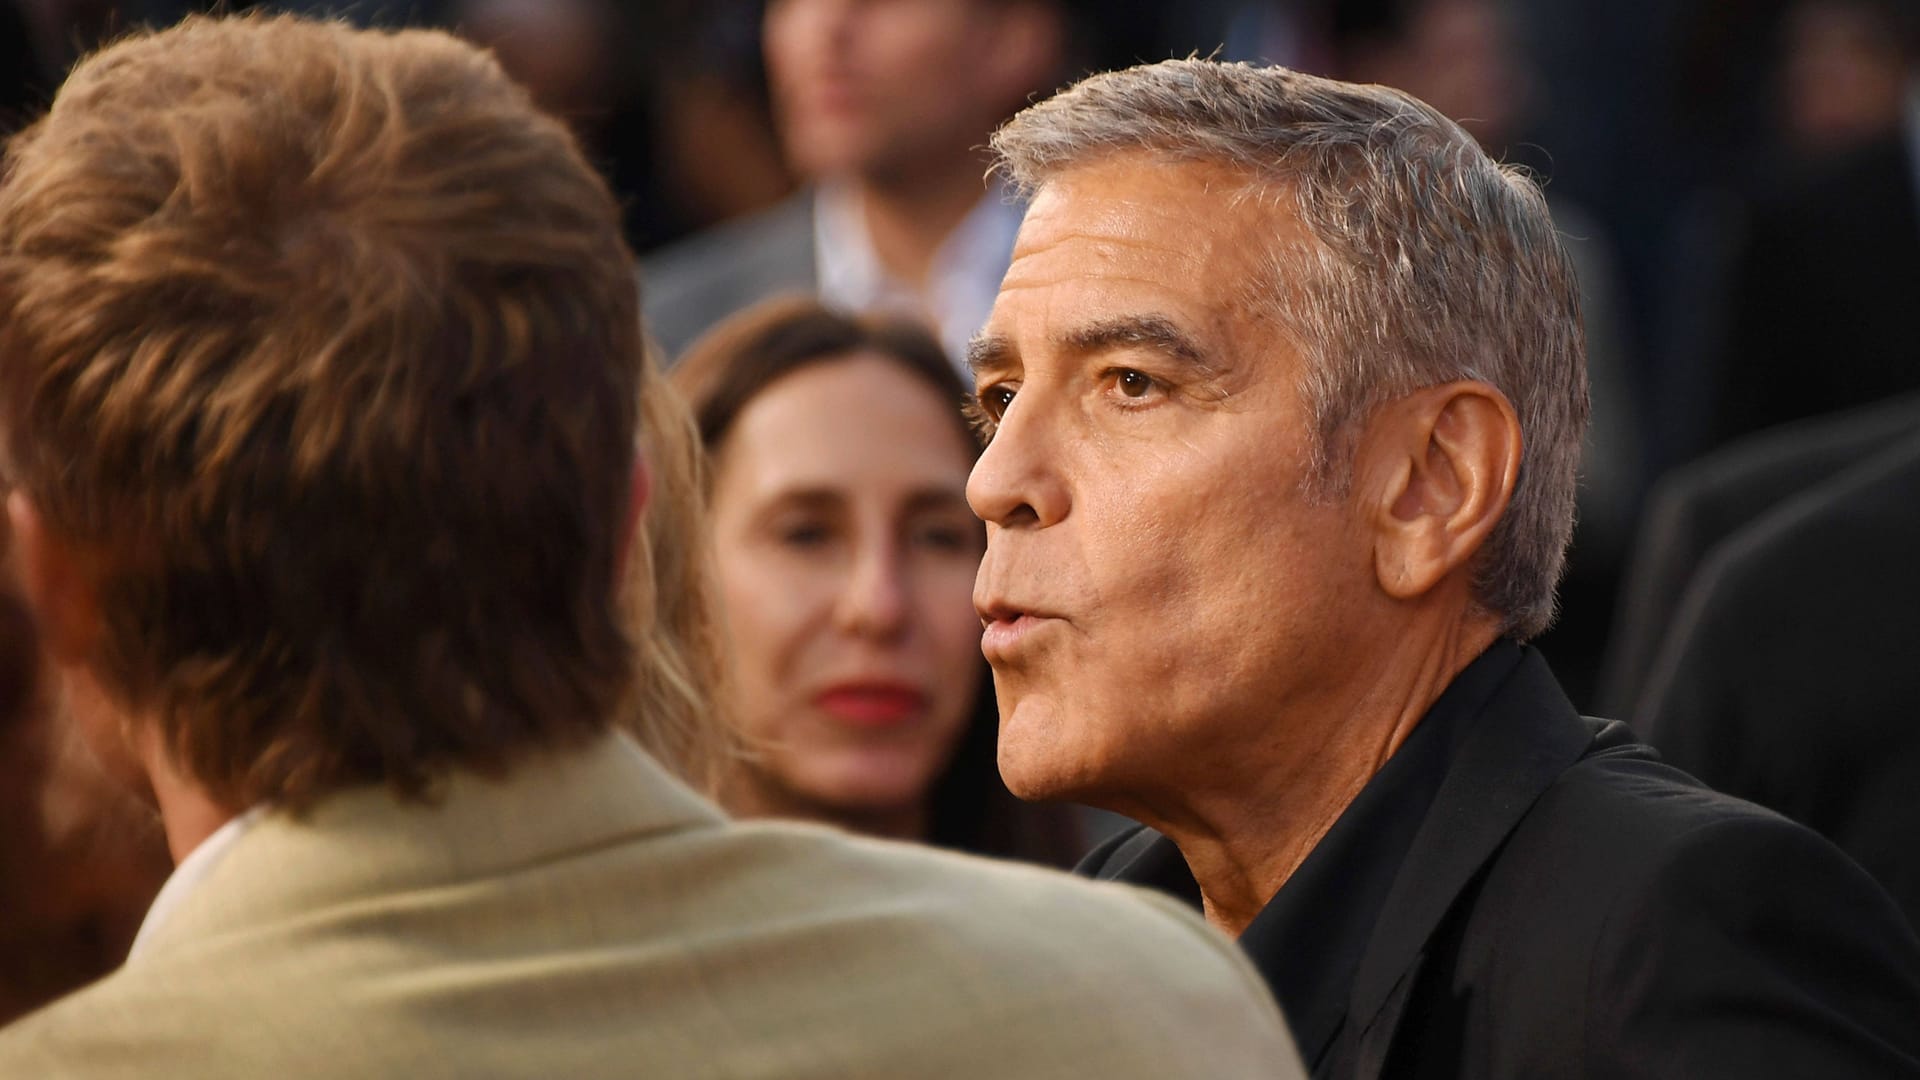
x,y
1428,262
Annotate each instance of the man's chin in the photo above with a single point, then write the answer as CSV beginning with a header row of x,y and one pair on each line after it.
x,y
1039,759
1033,785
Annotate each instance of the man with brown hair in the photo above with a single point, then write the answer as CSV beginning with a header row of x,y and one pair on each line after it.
x,y
318,375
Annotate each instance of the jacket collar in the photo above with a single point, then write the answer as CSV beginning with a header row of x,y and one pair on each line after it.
x,y
1526,736
365,842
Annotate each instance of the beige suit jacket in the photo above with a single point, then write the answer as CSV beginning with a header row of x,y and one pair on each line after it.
x,y
592,917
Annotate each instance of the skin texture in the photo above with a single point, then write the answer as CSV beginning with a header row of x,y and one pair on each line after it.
x,y
846,556
1177,631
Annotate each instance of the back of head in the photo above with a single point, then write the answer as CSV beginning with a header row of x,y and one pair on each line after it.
x,y
323,347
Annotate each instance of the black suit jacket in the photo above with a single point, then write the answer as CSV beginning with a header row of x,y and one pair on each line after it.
x,y
1697,507
1570,906
1794,676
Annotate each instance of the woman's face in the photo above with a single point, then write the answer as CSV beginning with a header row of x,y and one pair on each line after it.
x,y
846,557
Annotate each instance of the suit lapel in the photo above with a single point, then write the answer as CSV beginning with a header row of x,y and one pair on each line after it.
x,y
1526,735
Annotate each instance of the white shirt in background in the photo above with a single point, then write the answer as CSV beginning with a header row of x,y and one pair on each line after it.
x,y
962,280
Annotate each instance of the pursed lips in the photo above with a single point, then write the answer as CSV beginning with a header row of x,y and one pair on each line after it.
x,y
1006,626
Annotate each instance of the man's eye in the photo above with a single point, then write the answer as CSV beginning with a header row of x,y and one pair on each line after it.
x,y
995,399
984,409
1133,383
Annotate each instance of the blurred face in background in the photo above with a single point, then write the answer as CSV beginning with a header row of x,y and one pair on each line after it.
x,y
846,556
879,88
1846,75
562,51
1461,57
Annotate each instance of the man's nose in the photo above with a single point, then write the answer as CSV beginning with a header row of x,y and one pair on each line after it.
x,y
876,600
1018,482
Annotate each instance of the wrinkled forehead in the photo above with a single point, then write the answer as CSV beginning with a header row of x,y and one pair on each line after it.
x,y
1192,245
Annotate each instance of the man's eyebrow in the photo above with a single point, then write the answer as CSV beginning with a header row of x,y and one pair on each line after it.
x,y
1156,333
989,354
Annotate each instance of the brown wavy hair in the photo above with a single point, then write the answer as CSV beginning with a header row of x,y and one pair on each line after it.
x,y
323,346
679,706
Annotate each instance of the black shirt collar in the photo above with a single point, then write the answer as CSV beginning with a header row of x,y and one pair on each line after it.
x,y
1309,939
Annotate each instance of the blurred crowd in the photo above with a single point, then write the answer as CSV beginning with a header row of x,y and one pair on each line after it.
x,y
1739,186
1737,181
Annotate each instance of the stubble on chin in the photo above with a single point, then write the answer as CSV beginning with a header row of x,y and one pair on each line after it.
x,y
1043,754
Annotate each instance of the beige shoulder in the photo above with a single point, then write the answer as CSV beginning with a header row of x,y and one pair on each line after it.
x,y
1135,981
112,1028
814,955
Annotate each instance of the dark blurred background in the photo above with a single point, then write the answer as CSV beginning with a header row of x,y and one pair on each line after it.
x,y
1737,179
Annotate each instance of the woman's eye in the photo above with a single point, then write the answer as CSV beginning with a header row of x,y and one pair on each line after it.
x,y
1132,383
945,538
804,536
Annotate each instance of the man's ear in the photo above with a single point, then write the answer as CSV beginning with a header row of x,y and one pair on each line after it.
x,y
1439,467
56,583
639,491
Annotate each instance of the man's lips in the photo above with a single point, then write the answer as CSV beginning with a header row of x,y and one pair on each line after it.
x,y
1006,627
871,704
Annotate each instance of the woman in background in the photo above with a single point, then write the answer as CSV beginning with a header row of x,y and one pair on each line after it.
x,y
845,555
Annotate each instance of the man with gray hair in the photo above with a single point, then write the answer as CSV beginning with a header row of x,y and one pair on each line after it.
x,y
1285,388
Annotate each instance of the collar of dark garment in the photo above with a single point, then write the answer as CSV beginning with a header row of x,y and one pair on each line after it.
x,y
1309,939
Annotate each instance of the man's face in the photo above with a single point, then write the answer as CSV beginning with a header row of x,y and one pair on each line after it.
x,y
1159,592
866,86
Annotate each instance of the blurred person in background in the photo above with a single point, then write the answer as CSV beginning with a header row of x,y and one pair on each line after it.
x,y
1812,310
1846,79
846,555
1696,508
80,858
1788,677
883,107
659,94
1799,361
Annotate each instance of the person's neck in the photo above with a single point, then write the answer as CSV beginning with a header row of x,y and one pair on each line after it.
x,y
755,795
1244,837
908,219
188,814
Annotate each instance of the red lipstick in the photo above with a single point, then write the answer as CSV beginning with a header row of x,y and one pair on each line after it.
x,y
871,704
